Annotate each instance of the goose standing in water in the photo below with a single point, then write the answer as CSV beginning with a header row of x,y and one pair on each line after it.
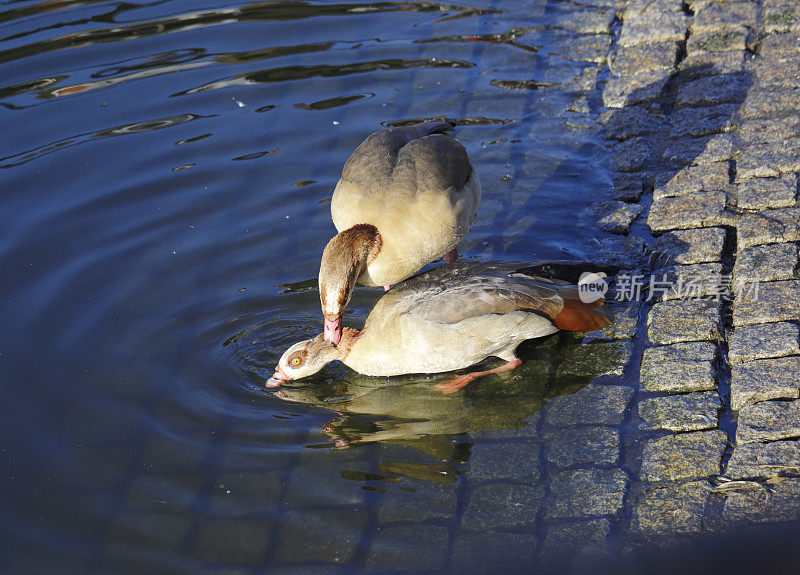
x,y
449,318
407,196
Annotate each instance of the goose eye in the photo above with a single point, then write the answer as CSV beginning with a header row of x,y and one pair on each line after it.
x,y
295,361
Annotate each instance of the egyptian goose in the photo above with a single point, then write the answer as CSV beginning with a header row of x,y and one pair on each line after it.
x,y
449,318
407,196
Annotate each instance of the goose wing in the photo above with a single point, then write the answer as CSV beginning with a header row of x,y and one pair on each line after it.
x,y
452,293
409,159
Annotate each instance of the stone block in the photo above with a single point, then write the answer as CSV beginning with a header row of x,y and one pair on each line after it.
x,y
683,456
685,412
711,90
753,460
690,281
399,545
584,48
244,493
778,502
782,18
632,155
722,41
327,472
628,187
678,368
568,541
714,176
320,535
595,404
597,21
429,501
777,76
583,80
585,446
696,210
763,379
635,89
690,246
627,61
701,64
697,151
626,320
503,506
703,121
762,341
615,216
579,105
683,320
163,532
158,493
637,8
769,159
725,16
233,540
626,252
767,302
514,461
768,262
762,193
593,360
666,511
641,27
764,103
769,227
769,421
759,130
499,552
632,121
779,47
586,492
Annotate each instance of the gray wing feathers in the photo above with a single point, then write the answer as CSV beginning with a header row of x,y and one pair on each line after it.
x,y
418,157
483,295
434,162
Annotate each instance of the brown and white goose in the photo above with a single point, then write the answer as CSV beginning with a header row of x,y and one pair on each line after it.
x,y
449,318
407,196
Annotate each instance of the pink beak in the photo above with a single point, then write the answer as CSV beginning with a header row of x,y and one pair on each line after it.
x,y
333,330
277,378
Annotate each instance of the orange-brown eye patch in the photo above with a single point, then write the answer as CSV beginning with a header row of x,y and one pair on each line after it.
x,y
298,358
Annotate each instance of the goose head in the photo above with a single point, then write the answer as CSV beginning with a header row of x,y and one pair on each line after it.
x,y
343,261
303,359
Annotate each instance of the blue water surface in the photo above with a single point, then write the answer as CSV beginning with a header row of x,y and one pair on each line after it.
x,y
166,168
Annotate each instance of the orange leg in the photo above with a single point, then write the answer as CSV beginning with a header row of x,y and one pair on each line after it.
x,y
451,256
454,384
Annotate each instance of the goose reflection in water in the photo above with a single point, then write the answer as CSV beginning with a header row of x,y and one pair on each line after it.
x,y
408,411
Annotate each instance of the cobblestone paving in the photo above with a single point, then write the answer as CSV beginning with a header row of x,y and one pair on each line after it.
x,y
704,104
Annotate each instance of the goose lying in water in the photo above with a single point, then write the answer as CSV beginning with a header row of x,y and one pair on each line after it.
x,y
407,196
449,318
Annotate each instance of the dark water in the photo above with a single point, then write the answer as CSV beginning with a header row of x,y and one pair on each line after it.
x,y
166,167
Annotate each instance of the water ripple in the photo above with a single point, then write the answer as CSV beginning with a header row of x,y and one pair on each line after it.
x,y
134,128
259,12
295,73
